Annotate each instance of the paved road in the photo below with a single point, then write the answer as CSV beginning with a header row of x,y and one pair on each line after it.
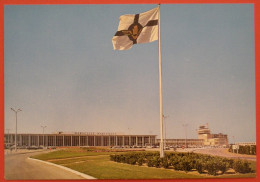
x,y
18,166
224,153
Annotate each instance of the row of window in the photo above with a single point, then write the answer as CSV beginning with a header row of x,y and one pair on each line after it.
x,y
54,140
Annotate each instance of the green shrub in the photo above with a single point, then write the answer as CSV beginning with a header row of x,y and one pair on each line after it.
x,y
157,161
199,166
186,164
116,158
121,158
229,162
112,157
154,161
127,158
140,161
211,167
222,166
241,166
253,149
150,162
165,163
175,162
132,161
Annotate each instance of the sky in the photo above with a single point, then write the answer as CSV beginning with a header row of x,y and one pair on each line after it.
x,y
62,71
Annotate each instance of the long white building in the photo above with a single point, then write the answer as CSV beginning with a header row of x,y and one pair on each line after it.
x,y
79,139
60,139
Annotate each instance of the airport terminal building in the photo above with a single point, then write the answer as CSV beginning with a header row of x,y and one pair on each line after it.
x,y
61,139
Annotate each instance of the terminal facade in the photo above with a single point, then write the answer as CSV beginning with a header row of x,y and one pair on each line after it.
x,y
183,142
79,139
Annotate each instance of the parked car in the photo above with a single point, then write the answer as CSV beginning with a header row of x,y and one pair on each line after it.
x,y
51,147
32,148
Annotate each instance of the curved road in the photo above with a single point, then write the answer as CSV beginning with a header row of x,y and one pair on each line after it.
x,y
18,166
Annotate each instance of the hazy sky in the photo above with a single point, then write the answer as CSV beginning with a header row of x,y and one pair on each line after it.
x,y
62,71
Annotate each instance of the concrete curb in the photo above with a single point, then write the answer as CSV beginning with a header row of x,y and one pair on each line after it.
x,y
65,168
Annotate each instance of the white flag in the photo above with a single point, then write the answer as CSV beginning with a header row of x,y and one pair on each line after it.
x,y
135,29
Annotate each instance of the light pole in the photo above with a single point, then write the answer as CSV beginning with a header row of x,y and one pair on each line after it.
x,y
185,126
16,111
8,138
43,134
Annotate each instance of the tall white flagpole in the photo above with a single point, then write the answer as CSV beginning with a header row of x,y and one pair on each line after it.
x,y
160,84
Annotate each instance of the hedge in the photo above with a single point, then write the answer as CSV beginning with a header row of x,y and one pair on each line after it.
x,y
211,165
247,149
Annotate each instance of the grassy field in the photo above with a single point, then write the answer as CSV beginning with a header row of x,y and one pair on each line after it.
x,y
98,165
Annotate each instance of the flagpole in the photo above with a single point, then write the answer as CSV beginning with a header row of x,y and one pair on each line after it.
x,y
160,84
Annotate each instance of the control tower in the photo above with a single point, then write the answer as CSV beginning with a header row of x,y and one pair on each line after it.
x,y
203,132
211,139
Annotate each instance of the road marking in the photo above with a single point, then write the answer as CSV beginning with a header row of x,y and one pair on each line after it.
x,y
65,168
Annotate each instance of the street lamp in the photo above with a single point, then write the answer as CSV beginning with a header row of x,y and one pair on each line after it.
x,y
43,134
8,138
185,126
16,111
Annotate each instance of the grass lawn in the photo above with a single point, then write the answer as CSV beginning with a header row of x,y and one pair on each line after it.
x,y
68,153
102,168
98,165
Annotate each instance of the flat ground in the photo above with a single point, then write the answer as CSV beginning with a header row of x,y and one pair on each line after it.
x,y
222,152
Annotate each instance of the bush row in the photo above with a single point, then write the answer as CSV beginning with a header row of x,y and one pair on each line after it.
x,y
184,162
248,149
